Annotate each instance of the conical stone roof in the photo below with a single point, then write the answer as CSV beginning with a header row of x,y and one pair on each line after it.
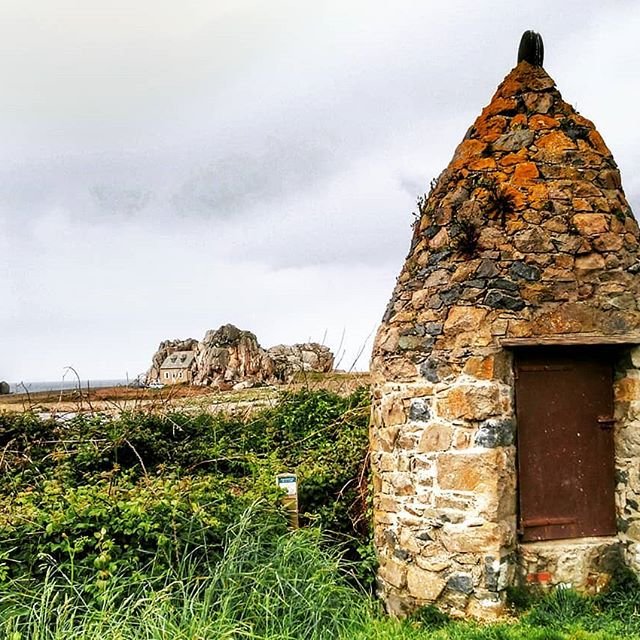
x,y
527,232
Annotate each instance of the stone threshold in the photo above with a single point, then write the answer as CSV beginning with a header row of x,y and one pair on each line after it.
x,y
568,543
584,564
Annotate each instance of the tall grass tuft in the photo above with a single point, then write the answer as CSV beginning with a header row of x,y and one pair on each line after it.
x,y
273,586
266,585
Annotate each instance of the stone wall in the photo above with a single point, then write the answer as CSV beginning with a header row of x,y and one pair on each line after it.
x,y
445,504
444,469
627,447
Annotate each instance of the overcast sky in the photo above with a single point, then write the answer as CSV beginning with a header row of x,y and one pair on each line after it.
x,y
167,167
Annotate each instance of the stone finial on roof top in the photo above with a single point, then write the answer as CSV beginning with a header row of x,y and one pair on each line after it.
x,y
531,49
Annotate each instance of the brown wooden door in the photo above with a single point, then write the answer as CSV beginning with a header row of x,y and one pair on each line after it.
x,y
565,444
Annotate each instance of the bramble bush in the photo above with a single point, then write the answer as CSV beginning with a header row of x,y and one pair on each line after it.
x,y
99,495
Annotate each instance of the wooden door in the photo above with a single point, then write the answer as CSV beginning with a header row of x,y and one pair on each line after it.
x,y
564,406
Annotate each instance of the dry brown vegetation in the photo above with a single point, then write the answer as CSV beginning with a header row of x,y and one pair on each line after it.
x,y
115,399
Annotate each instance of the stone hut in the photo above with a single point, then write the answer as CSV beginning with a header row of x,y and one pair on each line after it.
x,y
505,430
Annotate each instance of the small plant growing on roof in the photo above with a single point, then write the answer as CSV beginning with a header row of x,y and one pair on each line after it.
x,y
466,239
619,214
574,131
501,202
421,205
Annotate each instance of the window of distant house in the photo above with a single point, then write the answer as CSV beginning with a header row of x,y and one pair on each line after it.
x,y
166,374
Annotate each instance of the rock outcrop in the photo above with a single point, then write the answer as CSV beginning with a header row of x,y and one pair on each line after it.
x,y
4,388
296,358
229,356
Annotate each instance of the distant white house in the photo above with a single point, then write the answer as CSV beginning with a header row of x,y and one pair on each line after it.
x,y
176,367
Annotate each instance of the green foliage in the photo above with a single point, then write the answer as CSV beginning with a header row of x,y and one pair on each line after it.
x,y
266,584
96,494
521,598
150,526
560,607
466,240
613,613
430,617
620,602
270,584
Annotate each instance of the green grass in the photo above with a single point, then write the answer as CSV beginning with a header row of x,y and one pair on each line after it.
x,y
266,585
270,585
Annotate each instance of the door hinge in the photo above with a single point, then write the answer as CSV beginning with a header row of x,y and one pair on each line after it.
x,y
606,422
545,522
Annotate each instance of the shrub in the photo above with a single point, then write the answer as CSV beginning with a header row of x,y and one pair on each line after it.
x,y
140,490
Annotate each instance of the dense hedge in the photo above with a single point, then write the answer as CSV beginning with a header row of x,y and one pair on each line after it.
x,y
135,493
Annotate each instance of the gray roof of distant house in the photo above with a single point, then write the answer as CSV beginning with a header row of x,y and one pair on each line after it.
x,y
178,360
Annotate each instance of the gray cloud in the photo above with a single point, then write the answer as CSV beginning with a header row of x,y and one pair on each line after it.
x,y
230,184
117,199
249,165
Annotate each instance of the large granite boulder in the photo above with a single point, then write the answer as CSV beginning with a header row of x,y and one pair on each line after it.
x,y
229,355
295,358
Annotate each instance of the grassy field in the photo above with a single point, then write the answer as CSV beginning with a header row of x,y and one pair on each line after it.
x,y
284,586
163,521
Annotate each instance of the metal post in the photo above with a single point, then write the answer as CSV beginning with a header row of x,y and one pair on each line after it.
x,y
288,482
